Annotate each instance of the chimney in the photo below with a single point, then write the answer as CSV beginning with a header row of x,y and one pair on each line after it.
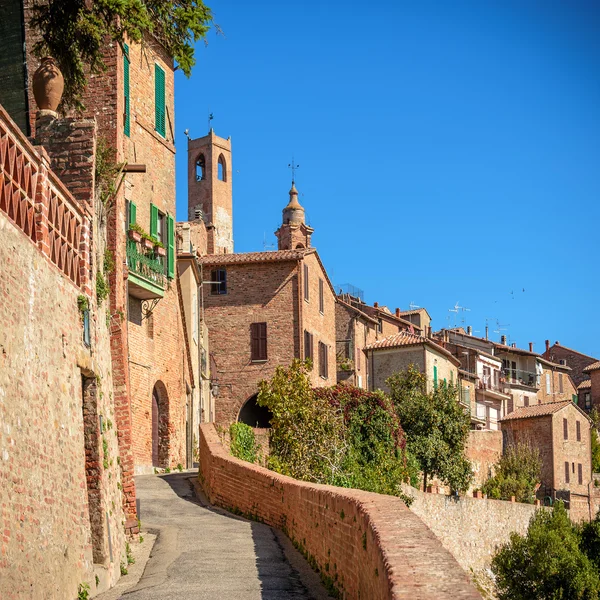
x,y
398,312
375,304
486,332
513,345
503,340
530,346
469,330
429,332
547,345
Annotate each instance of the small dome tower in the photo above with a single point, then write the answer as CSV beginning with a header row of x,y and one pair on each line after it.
x,y
293,233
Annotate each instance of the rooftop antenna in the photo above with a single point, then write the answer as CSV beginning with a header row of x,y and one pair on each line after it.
x,y
267,247
293,166
413,306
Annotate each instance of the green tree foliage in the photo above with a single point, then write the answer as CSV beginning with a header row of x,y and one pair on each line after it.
x,y
243,442
595,416
547,563
518,472
75,33
340,435
307,435
436,427
590,540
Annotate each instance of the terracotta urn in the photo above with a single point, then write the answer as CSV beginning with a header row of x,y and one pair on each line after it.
x,y
48,85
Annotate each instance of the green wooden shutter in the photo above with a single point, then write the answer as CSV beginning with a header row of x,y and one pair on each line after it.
x,y
435,381
132,214
127,121
154,221
170,247
159,100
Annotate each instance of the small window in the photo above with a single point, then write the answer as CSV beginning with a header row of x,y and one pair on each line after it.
x,y
560,383
567,472
306,290
565,429
321,298
578,431
580,473
200,168
258,341
380,325
222,169
159,101
323,366
219,282
525,400
588,400
308,346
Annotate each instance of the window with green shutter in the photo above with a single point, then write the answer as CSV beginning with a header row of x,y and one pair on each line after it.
x,y
132,214
435,377
170,247
126,119
154,221
159,100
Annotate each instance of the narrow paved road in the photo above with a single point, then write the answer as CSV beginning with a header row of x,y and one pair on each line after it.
x,y
205,553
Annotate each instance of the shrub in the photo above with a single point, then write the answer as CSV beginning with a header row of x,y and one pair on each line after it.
x,y
243,442
518,473
547,563
590,540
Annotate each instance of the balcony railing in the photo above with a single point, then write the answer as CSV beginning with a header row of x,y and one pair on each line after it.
x,y
520,377
146,265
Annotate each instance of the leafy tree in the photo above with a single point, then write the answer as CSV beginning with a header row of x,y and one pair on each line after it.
x,y
243,442
436,427
518,473
595,416
547,563
590,540
307,434
75,33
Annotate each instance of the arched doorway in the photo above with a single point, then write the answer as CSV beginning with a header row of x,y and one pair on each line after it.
x,y
254,415
160,425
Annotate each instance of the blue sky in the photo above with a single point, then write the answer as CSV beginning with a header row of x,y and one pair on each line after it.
x,y
448,151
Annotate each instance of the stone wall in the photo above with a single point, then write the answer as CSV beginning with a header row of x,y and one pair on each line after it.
x,y
470,528
368,545
484,449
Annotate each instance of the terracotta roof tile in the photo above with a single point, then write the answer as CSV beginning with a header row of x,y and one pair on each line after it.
x,y
537,410
253,257
585,385
593,367
405,338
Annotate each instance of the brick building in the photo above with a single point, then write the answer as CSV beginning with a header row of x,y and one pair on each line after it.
x,y
561,431
419,317
262,309
397,352
577,361
60,478
593,371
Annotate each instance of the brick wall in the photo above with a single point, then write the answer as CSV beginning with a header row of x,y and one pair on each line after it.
x,y
574,359
384,363
369,545
555,395
484,449
471,529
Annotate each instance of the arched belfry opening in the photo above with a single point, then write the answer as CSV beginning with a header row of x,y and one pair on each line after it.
x,y
222,168
254,415
160,425
200,167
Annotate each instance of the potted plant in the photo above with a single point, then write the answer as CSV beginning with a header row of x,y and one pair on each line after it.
x,y
159,248
147,242
135,233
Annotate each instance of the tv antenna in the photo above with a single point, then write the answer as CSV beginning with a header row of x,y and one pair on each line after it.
x,y
413,306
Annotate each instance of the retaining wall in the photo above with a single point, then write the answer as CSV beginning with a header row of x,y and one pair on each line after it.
x,y
369,546
470,528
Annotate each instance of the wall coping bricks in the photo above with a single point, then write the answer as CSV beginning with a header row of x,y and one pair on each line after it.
x,y
368,545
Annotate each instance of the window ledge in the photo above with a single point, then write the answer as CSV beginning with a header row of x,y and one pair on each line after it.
x,y
323,377
262,360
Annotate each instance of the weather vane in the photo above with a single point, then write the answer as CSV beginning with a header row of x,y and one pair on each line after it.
x,y
210,118
293,166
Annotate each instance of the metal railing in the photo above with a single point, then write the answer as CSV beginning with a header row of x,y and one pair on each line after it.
x,y
146,264
520,377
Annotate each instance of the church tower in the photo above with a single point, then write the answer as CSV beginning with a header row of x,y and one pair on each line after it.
x,y
293,233
209,189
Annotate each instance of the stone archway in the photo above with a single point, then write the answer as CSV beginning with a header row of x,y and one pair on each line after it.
x,y
254,415
160,425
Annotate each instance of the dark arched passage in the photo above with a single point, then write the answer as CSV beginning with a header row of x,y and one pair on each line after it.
x,y
160,425
254,415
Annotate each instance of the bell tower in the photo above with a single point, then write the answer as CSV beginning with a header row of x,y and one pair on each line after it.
x,y
210,191
293,233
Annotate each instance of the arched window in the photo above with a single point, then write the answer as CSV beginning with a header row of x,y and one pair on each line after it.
x,y
254,415
222,169
200,168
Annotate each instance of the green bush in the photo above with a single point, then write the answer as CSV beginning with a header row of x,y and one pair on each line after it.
x,y
589,534
518,472
547,563
243,442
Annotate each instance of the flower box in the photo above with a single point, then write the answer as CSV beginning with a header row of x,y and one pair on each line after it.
x,y
147,244
136,236
160,250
